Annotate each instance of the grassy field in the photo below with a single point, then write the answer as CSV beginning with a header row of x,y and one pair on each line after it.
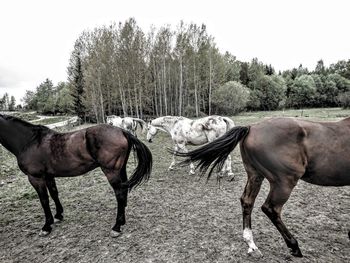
x,y
174,217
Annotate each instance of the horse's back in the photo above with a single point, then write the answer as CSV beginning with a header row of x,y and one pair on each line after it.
x,y
105,137
105,144
75,153
317,152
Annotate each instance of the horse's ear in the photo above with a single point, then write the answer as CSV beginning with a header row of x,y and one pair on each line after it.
x,y
207,125
204,126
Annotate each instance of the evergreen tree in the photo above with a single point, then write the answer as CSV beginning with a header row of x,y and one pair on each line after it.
x,y
12,104
76,79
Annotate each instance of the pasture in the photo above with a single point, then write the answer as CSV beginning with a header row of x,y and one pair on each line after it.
x,y
175,217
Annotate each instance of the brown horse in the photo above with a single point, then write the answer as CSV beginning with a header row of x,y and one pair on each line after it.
x,y
44,154
282,150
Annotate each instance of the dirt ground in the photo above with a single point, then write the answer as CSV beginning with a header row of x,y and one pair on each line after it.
x,y
175,217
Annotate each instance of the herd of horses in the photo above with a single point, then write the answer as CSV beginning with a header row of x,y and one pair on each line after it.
x,y
281,150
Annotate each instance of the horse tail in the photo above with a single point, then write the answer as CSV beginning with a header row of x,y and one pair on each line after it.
x,y
229,123
144,157
215,152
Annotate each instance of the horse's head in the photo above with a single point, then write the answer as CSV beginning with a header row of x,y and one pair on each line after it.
x,y
109,119
151,131
127,123
114,120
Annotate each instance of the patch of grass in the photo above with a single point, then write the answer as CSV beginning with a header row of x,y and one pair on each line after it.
x,y
29,195
318,114
174,217
52,120
8,164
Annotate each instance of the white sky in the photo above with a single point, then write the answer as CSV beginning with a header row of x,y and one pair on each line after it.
x,y
37,36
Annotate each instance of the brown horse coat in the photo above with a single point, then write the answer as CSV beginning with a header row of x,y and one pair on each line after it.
x,y
316,152
44,154
282,150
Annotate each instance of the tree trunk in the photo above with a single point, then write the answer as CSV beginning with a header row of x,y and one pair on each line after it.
x,y
180,88
155,101
164,88
101,99
210,83
94,102
122,95
130,103
195,89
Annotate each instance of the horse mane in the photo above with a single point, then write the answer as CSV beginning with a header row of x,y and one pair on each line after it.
x,y
167,118
39,131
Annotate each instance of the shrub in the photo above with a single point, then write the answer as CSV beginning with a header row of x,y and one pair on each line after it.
x,y
344,99
230,98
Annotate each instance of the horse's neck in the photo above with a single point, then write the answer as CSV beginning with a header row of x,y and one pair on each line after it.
x,y
163,127
14,136
166,125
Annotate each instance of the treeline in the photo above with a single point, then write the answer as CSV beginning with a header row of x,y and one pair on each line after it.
x,y
50,99
122,70
8,103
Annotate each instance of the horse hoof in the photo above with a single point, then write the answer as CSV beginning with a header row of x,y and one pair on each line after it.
x,y
57,220
255,253
115,234
296,253
43,233
230,174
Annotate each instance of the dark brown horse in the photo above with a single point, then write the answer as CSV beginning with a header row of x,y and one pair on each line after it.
x,y
44,154
282,150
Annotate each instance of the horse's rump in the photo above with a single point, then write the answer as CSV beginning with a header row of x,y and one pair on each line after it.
x,y
317,152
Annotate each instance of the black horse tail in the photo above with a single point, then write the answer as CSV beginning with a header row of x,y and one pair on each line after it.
x,y
144,157
215,152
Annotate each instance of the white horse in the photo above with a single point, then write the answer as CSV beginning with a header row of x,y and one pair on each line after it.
x,y
126,123
184,131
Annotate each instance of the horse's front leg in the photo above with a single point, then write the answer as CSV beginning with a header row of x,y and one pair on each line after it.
x,y
171,167
51,185
183,149
39,185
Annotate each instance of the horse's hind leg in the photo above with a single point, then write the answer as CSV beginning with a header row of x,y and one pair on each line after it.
x,y
39,185
278,196
183,149
227,168
251,190
124,178
115,179
51,185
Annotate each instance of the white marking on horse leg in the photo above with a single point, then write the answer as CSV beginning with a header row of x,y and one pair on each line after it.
x,y
192,168
43,233
115,234
57,221
229,166
248,238
224,170
171,167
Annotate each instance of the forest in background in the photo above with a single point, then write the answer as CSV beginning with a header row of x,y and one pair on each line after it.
x,y
121,70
